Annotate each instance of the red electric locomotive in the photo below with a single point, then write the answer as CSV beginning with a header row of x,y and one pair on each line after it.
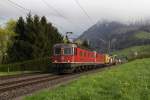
x,y
69,58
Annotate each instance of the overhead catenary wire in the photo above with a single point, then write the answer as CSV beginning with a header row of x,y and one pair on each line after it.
x,y
67,19
51,7
16,5
28,10
19,6
59,27
84,11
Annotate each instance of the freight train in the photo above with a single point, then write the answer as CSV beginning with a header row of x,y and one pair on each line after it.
x,y
69,58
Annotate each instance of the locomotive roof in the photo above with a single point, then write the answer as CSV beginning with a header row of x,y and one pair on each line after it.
x,y
64,45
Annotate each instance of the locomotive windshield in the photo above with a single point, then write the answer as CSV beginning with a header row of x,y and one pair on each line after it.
x,y
63,51
57,51
68,51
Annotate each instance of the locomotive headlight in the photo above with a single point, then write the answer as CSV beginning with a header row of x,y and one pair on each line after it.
x,y
68,60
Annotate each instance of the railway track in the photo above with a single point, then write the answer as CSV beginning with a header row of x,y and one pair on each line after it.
x,y
7,86
21,78
26,85
21,85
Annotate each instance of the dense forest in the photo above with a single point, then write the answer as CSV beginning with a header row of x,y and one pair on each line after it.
x,y
27,38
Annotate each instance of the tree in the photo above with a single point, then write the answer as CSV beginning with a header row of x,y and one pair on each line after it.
x,y
66,40
5,42
20,29
10,25
6,39
35,38
85,44
20,49
10,28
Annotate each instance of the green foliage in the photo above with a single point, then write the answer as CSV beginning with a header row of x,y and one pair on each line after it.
x,y
143,35
41,64
35,38
6,39
142,52
13,73
66,40
10,25
85,44
129,81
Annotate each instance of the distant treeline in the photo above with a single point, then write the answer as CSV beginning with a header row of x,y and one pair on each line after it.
x,y
34,38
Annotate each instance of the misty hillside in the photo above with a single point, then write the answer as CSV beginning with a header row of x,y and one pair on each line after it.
x,y
111,36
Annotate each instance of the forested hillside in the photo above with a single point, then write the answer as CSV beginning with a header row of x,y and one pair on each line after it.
x,y
111,36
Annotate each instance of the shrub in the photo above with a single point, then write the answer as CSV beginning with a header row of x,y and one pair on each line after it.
x,y
41,64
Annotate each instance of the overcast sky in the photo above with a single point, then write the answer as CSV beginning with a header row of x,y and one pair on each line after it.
x,y
68,16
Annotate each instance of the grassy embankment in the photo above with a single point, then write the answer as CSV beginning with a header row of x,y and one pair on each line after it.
x,y
8,73
14,73
30,66
142,52
130,81
143,35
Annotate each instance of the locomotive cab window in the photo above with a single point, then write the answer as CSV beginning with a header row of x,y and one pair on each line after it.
x,y
68,51
57,51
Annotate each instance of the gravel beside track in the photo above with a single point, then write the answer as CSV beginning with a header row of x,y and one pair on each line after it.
x,y
21,88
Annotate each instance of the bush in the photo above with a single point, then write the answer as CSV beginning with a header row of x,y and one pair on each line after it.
x,y
41,64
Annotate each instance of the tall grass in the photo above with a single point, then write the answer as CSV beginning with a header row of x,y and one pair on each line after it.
x,y
130,81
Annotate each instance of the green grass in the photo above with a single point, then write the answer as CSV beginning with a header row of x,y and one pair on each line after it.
x,y
8,73
143,51
39,64
14,73
130,81
142,35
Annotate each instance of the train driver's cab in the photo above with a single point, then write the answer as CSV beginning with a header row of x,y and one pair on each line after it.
x,y
64,49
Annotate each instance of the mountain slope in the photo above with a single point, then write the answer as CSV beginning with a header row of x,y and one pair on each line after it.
x,y
109,36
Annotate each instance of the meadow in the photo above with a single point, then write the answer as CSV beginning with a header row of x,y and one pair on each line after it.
x,y
130,81
142,51
9,73
143,35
